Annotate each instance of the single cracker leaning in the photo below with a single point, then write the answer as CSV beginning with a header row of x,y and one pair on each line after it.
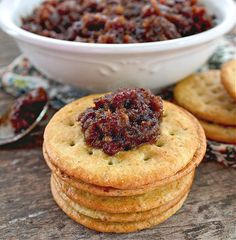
x,y
228,77
204,96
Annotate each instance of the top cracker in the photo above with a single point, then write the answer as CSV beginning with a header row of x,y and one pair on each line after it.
x,y
174,149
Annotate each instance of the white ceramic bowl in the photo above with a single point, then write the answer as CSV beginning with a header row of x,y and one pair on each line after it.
x,y
103,67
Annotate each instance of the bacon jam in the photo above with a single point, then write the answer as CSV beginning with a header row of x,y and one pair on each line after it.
x,y
118,21
27,108
122,120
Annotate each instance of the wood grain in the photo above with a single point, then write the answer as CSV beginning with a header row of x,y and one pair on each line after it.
x,y
27,210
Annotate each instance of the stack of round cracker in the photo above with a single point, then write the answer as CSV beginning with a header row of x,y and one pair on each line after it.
x,y
131,190
211,97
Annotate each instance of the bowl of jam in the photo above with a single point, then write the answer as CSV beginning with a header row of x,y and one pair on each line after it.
x,y
103,45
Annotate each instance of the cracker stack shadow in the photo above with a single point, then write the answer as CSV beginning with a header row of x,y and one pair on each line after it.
x,y
131,190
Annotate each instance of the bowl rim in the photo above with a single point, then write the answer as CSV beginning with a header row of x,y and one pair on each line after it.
x,y
7,24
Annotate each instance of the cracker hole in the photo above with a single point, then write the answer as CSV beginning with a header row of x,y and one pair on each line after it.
x,y
172,133
164,115
72,144
71,124
145,159
221,98
113,161
209,84
230,108
160,144
90,152
215,90
207,102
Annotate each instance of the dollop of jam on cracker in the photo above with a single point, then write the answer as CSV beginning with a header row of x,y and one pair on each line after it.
x,y
27,108
122,120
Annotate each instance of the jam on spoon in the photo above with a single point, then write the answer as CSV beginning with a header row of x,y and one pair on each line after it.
x,y
26,109
20,117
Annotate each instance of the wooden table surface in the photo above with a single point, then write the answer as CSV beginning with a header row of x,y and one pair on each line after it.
x,y
27,210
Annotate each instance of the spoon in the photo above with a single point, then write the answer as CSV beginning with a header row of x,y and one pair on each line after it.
x,y
7,131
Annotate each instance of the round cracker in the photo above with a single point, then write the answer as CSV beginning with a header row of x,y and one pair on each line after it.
x,y
219,133
174,149
228,77
204,96
117,217
104,226
143,202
